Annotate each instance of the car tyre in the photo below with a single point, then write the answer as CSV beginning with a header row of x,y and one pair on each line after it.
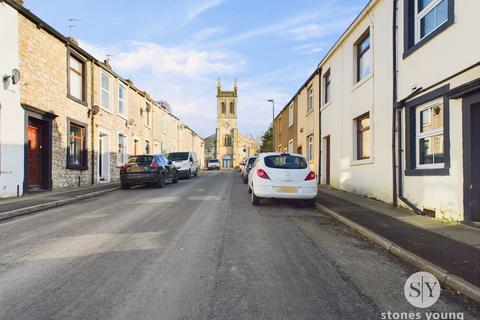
x,y
249,189
175,178
125,186
254,199
189,176
309,202
196,173
161,180
245,180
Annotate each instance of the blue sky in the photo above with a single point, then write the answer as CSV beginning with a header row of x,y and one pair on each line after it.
x,y
175,50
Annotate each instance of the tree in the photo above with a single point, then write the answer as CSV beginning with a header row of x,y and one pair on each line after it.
x,y
267,140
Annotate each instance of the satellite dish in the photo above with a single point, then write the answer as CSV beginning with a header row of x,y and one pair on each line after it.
x,y
15,76
95,110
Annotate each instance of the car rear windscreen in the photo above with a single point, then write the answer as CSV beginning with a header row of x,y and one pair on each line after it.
x,y
285,162
213,161
251,161
140,159
178,156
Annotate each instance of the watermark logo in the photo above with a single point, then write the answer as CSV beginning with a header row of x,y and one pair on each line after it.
x,y
422,289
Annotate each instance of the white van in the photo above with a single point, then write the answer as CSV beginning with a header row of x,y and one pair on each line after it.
x,y
186,163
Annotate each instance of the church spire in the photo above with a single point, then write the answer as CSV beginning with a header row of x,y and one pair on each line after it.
x,y
219,86
235,87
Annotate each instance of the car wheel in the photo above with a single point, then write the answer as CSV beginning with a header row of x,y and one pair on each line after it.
x,y
245,180
161,180
189,174
196,173
309,202
175,177
249,189
254,199
125,186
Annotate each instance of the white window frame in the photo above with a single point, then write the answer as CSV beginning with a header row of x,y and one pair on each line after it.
x,y
110,91
310,147
290,146
310,97
420,135
124,114
327,74
419,15
148,115
149,146
290,115
125,148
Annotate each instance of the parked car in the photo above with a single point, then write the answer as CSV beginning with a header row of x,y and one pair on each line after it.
x,y
282,176
247,167
186,163
213,164
147,169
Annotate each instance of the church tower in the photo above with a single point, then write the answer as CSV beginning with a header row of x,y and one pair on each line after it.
x,y
227,130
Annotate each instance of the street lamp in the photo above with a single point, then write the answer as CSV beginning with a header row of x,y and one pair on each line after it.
x,y
273,123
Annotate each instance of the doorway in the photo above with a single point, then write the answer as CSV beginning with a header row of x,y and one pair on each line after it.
x,y
326,144
471,152
38,155
227,161
103,157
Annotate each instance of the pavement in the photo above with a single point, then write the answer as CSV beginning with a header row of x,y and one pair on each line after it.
x,y
14,207
198,250
451,251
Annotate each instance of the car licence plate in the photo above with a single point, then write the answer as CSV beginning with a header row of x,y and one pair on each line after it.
x,y
287,189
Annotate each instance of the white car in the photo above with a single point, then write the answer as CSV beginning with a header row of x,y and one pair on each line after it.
x,y
185,162
282,176
213,164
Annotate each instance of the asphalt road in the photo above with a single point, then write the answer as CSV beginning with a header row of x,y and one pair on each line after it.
x,y
197,250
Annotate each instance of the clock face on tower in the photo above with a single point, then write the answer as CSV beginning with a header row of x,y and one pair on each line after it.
x,y
226,125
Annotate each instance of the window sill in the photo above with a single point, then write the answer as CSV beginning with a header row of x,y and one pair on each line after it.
x,y
361,82
326,105
362,162
433,34
77,167
428,172
123,116
77,100
107,110
309,112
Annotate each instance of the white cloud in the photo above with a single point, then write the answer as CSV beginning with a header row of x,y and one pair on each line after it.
x,y
151,57
199,8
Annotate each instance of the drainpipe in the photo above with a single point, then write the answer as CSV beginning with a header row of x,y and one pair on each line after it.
x,y
319,72
394,103
92,123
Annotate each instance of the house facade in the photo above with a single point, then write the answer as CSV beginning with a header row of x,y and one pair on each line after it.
x,y
11,112
399,108
286,127
80,120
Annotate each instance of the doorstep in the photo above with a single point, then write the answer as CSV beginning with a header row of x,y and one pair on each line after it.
x,y
451,251
13,207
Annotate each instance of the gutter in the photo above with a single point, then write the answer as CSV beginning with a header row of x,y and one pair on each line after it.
x,y
319,72
394,103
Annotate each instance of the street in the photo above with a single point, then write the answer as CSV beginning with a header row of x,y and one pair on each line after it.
x,y
196,250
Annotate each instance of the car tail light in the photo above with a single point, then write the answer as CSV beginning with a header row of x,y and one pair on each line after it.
x,y
310,176
154,165
262,174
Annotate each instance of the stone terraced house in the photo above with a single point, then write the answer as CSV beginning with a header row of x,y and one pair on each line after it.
x,y
80,120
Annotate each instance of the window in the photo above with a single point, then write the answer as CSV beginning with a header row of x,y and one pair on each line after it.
x,y
290,146
76,151
425,19
363,56
363,136
227,140
327,87
224,108
430,14
122,100
147,147
290,115
309,99
122,155
232,107
105,89
310,148
76,78
148,114
429,136
136,146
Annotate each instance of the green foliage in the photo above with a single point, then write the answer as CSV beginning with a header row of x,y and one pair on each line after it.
x,y
267,140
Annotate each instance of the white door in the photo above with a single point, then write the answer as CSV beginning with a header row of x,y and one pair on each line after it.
x,y
103,158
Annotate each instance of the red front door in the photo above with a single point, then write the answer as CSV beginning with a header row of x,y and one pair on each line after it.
x,y
34,155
